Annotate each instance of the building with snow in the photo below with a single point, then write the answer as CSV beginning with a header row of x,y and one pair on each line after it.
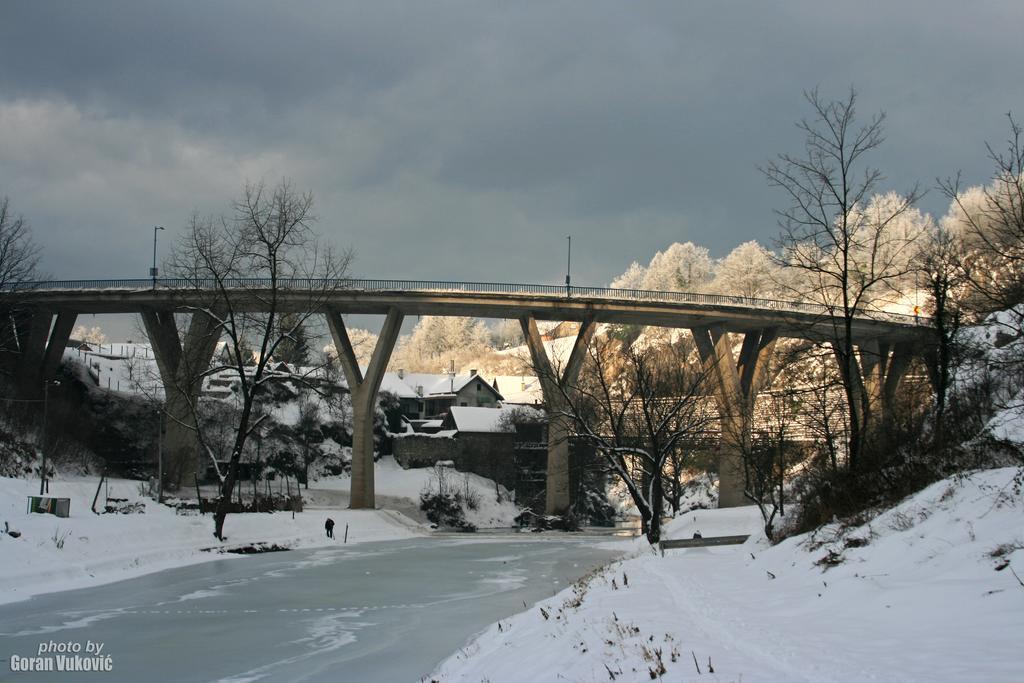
x,y
425,396
523,390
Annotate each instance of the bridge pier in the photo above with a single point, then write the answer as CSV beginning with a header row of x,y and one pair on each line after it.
x,y
35,347
555,385
59,337
737,384
181,367
363,390
883,366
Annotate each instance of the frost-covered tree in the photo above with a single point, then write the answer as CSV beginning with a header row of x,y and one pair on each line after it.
x,y
986,224
749,270
438,340
90,335
363,343
633,278
506,334
682,267
989,220
866,261
893,253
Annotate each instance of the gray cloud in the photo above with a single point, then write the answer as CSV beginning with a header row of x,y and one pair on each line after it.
x,y
465,140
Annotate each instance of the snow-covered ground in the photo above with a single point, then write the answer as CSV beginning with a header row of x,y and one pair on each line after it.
x,y
99,549
401,489
916,594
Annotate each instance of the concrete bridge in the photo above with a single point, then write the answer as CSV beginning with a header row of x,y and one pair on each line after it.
x,y
41,316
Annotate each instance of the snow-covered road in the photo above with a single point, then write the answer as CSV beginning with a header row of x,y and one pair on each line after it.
x,y
379,611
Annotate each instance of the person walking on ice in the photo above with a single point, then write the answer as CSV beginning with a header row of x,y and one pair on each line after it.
x,y
329,525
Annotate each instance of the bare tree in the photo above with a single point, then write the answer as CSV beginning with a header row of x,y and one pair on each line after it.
x,y
990,222
683,462
810,376
308,428
19,254
636,405
263,265
845,244
770,452
940,264
19,257
978,269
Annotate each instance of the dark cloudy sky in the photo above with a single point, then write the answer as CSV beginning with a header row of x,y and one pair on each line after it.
x,y
464,140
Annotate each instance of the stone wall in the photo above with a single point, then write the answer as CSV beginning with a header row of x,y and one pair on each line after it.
x,y
521,468
489,455
423,450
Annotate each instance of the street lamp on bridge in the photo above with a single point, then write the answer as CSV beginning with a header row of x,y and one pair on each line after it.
x,y
153,272
568,266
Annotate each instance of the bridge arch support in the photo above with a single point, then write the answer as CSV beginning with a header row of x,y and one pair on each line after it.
x,y
737,382
363,389
32,348
182,363
883,367
556,384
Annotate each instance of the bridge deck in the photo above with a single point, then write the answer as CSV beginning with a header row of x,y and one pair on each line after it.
x,y
485,300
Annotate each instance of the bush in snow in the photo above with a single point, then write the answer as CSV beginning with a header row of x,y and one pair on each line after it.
x,y
446,504
592,507
445,509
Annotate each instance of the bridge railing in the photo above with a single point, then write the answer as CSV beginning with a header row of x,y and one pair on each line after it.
x,y
384,285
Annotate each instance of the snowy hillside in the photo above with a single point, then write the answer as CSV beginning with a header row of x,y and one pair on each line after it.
x,y
924,592
994,365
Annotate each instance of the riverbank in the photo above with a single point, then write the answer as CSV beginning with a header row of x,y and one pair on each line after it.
x,y
57,554
85,549
927,591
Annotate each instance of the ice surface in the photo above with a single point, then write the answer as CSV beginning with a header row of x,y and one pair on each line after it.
x,y
380,612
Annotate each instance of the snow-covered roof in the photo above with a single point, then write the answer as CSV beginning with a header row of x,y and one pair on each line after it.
x,y
522,389
483,420
422,384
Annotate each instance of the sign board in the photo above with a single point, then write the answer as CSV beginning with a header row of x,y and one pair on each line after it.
x,y
50,506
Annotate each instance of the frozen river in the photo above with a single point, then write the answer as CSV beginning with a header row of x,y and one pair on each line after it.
x,y
372,612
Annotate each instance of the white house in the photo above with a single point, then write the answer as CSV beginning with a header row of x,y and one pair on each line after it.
x,y
425,395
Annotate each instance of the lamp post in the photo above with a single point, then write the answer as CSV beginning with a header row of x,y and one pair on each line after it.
x,y
568,266
46,405
159,456
153,271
